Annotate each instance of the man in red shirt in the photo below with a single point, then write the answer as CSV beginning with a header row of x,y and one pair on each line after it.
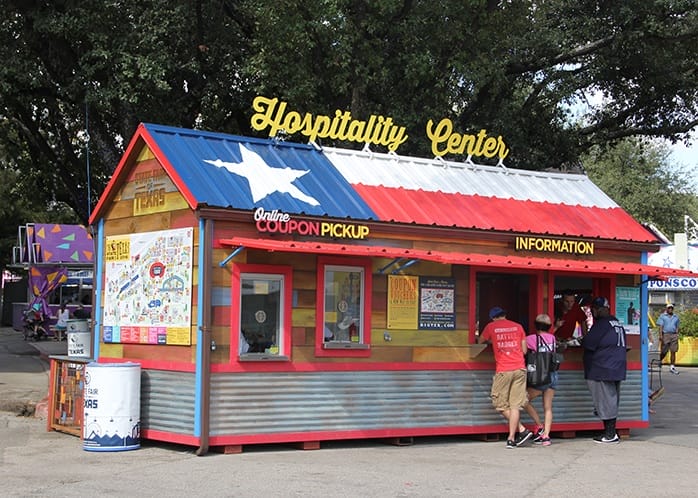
x,y
508,392
568,316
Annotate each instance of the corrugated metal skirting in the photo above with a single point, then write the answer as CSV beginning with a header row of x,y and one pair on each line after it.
x,y
267,403
167,401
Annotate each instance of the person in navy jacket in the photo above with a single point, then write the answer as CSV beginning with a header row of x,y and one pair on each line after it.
x,y
605,365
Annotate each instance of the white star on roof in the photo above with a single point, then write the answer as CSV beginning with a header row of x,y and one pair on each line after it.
x,y
263,179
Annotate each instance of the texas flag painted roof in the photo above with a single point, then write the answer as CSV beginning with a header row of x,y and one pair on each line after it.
x,y
228,171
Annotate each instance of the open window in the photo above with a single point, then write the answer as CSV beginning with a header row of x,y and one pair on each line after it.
x,y
261,309
344,307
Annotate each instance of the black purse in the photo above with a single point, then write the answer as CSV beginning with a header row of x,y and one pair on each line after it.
x,y
539,364
557,360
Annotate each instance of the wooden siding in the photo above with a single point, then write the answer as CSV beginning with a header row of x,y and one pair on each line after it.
x,y
120,220
405,346
415,346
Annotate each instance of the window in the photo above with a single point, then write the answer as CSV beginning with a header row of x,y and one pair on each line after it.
x,y
343,298
261,313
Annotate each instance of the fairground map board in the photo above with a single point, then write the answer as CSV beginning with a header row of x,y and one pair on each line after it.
x,y
147,294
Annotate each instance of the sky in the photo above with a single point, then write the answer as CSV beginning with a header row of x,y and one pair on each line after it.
x,y
686,157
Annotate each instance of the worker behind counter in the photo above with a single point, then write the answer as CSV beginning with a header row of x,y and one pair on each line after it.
x,y
568,316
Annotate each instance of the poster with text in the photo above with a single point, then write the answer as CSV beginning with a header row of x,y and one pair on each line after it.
x,y
437,303
403,302
628,308
147,291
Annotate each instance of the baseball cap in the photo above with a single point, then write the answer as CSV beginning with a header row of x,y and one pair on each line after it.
x,y
600,302
669,305
496,311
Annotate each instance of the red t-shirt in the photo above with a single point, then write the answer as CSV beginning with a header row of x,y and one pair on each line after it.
x,y
569,321
506,337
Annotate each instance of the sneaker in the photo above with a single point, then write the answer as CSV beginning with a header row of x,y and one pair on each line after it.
x,y
538,434
604,440
510,444
545,441
523,437
673,370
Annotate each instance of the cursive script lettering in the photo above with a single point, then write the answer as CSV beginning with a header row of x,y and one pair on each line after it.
x,y
378,130
445,141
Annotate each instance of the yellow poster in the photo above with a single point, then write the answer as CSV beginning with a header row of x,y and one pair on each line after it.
x,y
178,335
403,302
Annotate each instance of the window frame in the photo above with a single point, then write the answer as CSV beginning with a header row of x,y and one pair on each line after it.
x,y
344,349
241,271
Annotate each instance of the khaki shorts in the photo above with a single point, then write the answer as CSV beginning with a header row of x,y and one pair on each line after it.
x,y
509,390
670,342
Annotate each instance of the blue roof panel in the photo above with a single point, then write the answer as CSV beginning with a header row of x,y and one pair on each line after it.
x,y
230,171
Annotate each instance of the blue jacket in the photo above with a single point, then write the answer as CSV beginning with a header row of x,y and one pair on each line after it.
x,y
605,353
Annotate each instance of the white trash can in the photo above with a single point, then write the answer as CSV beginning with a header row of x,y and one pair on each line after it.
x,y
79,339
112,416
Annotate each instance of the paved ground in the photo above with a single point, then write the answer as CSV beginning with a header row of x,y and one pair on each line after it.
x,y
24,370
659,461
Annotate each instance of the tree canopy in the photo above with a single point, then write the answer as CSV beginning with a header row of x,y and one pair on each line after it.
x,y
638,175
78,77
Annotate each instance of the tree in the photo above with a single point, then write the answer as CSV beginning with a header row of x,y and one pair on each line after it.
x,y
637,174
104,67
16,194
516,69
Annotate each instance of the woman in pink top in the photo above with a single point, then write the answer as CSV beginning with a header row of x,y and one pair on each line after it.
x,y
542,431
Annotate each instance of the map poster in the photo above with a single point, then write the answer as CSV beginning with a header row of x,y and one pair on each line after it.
x,y
437,298
628,308
147,291
403,302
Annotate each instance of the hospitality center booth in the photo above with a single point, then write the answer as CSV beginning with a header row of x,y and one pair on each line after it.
x,y
283,292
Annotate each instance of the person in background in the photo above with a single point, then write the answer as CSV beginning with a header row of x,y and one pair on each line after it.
x,y
631,314
244,345
541,435
508,391
668,324
568,316
81,313
62,316
328,335
605,365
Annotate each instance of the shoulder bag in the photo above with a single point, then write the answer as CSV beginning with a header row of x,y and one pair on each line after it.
x,y
539,364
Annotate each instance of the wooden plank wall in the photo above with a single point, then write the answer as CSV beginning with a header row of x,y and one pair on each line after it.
x,y
404,346
119,219
411,346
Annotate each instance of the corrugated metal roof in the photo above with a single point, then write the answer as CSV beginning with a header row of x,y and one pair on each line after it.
x,y
451,194
228,171
448,177
246,173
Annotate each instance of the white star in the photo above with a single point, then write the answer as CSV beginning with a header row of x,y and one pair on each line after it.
x,y
263,179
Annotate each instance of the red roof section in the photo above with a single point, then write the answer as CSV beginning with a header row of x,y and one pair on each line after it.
x,y
511,215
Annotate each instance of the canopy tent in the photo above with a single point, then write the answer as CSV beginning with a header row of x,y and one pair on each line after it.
x,y
47,251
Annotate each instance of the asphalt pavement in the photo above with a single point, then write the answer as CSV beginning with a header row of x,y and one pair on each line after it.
x,y
657,461
24,368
